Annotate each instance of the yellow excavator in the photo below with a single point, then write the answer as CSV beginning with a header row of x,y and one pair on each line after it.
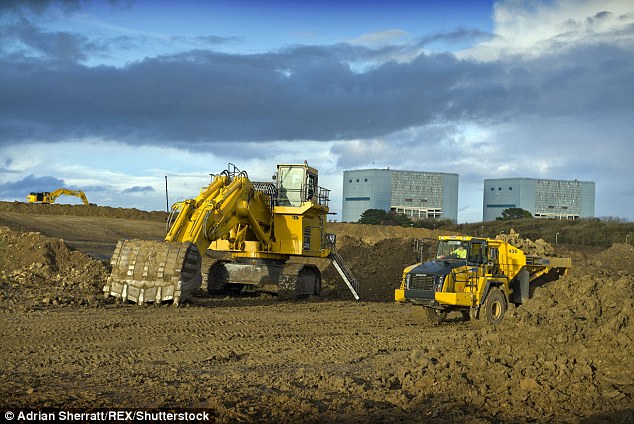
x,y
272,236
47,197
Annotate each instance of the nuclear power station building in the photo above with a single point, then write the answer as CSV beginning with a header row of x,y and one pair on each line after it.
x,y
415,194
543,198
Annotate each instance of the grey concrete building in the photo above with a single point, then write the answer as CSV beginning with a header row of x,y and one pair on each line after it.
x,y
415,194
543,198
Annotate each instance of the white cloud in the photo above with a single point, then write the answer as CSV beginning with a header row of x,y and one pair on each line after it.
x,y
530,29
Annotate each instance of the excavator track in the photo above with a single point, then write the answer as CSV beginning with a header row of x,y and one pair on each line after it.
x,y
299,280
288,281
150,271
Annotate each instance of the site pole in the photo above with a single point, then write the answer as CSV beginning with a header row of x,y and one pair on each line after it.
x,y
167,199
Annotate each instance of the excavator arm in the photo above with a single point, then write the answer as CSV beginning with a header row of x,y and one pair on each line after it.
x,y
226,209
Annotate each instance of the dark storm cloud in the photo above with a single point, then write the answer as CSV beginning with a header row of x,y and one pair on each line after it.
x,y
335,92
22,37
19,189
297,93
25,38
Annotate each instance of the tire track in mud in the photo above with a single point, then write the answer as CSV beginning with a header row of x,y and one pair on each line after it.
x,y
205,347
239,361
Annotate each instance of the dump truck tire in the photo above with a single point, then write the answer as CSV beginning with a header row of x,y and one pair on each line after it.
x,y
494,307
436,316
425,315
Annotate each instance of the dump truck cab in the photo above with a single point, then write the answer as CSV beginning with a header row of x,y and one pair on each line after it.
x,y
454,255
479,277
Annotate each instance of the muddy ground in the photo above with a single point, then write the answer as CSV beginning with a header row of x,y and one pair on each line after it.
x,y
565,356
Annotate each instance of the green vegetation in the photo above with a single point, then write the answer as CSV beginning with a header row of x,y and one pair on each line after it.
x,y
514,213
381,217
595,232
591,232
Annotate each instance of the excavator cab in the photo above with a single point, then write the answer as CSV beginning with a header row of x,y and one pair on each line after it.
x,y
296,184
36,197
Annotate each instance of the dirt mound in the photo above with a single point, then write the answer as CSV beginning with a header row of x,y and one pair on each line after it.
x,y
594,302
561,354
574,335
378,267
376,255
39,271
372,234
82,210
537,248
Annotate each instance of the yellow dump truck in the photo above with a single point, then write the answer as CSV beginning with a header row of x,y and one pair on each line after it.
x,y
479,277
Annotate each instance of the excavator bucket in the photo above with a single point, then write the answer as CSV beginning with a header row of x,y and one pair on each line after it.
x,y
150,271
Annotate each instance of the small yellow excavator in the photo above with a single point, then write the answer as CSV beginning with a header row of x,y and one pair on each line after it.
x,y
271,235
50,197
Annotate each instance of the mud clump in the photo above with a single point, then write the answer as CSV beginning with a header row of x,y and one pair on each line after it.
x,y
37,271
535,248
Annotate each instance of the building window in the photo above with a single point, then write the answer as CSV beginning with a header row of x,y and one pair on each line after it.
x,y
499,188
350,181
510,188
357,180
492,188
366,180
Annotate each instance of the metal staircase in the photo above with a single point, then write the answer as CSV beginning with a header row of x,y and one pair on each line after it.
x,y
345,273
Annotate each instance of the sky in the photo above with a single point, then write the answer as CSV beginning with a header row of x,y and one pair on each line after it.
x,y
111,97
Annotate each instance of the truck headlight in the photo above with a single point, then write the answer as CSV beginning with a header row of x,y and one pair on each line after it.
x,y
440,282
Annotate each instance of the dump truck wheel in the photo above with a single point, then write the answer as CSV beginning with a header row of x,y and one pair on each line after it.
x,y
494,306
466,315
425,315
436,316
